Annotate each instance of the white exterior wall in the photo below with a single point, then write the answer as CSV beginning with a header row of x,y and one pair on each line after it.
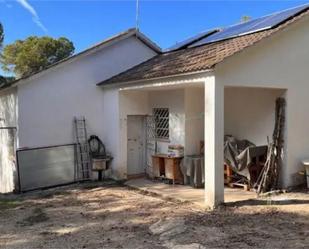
x,y
141,103
8,107
194,125
249,113
130,103
110,126
174,101
181,102
8,115
280,61
48,103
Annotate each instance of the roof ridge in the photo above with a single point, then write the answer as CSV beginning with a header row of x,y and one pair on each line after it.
x,y
128,32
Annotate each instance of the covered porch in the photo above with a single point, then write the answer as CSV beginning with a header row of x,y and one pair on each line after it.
x,y
199,110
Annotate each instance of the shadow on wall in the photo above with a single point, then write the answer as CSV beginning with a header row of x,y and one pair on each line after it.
x,y
177,132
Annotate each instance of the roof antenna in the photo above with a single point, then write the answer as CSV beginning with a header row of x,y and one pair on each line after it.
x,y
137,16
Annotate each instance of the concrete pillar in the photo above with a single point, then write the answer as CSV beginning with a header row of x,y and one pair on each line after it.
x,y
214,135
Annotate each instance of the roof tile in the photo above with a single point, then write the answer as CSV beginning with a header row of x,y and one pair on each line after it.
x,y
194,59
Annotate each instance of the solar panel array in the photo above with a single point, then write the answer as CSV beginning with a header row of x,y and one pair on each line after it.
x,y
259,24
252,26
192,39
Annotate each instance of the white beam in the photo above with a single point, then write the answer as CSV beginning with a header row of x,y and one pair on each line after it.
x,y
214,135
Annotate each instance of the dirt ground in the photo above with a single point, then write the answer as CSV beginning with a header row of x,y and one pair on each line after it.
x,y
113,216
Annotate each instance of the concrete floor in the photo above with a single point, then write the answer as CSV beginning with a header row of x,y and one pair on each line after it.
x,y
187,193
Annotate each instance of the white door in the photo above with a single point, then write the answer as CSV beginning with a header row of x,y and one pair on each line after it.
x,y
150,143
135,145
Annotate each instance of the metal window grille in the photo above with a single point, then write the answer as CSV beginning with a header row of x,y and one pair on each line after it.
x,y
162,123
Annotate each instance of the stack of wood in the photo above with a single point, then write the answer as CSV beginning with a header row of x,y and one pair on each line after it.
x,y
269,177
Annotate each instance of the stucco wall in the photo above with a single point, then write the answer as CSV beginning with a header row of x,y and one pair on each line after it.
x,y
8,105
8,115
130,103
194,125
182,103
249,113
280,61
48,103
142,102
174,101
110,126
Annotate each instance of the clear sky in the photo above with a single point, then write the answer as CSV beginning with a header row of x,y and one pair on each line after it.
x,y
87,22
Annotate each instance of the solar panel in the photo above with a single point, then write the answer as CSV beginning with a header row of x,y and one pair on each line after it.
x,y
191,40
252,26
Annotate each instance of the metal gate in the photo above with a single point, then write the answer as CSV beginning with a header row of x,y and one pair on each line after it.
x,y
7,159
46,166
151,144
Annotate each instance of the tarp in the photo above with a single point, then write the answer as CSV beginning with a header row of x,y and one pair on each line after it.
x,y
239,154
193,170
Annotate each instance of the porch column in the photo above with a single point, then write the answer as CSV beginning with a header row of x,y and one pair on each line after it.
x,y
214,135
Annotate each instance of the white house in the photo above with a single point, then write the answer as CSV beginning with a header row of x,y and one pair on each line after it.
x,y
216,83
231,76
42,107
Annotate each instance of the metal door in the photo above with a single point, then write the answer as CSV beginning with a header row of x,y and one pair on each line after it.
x,y
135,145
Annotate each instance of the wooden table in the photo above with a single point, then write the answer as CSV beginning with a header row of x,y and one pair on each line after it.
x,y
167,167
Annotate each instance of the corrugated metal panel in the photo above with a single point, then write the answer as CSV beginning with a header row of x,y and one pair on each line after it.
x,y
46,167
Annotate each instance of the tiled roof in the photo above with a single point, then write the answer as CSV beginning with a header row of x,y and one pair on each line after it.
x,y
194,59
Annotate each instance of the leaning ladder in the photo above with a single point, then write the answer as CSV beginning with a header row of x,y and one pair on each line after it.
x,y
83,159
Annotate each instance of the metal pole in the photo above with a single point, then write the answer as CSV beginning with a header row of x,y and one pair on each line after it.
x,y
137,15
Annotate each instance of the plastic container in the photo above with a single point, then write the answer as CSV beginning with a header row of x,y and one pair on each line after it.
x,y
175,151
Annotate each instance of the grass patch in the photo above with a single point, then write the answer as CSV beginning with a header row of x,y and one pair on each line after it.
x,y
8,204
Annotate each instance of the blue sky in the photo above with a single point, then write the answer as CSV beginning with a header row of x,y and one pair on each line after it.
x,y
87,22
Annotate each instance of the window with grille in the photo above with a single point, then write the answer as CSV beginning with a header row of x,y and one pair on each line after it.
x,y
161,116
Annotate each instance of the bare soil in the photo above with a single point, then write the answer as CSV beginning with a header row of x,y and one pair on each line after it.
x,y
112,216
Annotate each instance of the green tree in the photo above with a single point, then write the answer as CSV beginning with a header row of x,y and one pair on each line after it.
x,y
245,19
4,81
25,57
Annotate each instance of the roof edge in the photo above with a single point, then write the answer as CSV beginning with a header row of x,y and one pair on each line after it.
x,y
277,29
103,84
148,41
103,44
